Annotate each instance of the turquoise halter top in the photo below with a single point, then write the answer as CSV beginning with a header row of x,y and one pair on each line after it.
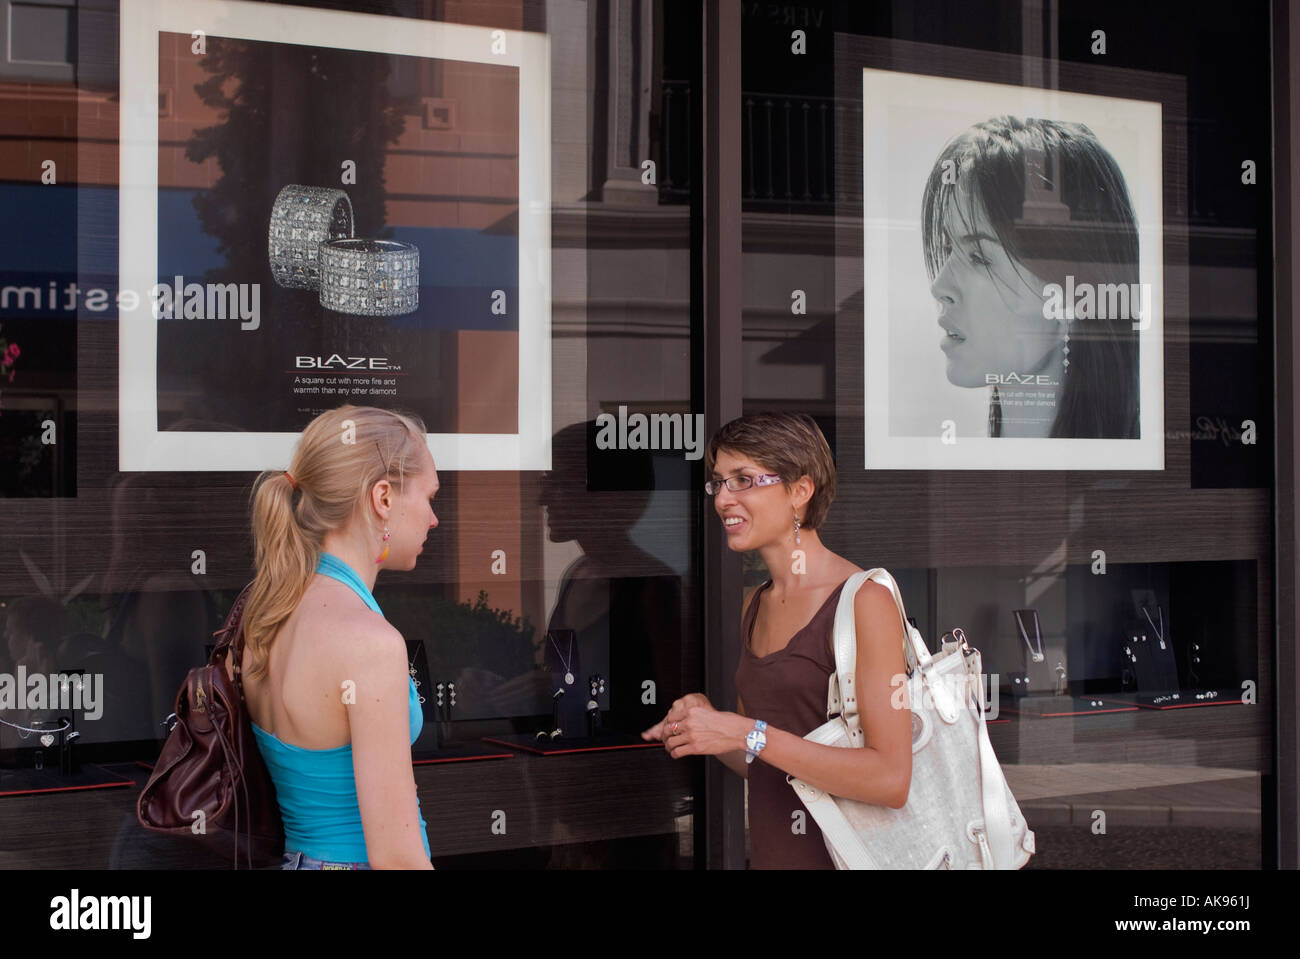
x,y
316,788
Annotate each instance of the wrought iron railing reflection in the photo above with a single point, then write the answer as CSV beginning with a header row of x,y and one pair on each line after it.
x,y
788,154
787,149
675,142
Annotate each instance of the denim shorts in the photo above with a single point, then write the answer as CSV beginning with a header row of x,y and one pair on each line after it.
x,y
297,860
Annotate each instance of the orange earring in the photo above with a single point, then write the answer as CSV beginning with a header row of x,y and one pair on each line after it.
x,y
384,555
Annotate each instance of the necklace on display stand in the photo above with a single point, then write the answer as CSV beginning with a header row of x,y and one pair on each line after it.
x,y
1035,654
1159,630
565,660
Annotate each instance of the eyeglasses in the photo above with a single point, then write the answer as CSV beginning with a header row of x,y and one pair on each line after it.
x,y
741,481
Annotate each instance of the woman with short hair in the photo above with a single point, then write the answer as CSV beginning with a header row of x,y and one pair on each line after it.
x,y
772,480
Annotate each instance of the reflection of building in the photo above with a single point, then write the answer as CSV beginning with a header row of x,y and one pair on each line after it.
x,y
448,173
620,265
624,91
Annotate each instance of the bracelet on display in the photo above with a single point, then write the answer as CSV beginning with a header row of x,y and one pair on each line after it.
x,y
369,277
302,218
28,730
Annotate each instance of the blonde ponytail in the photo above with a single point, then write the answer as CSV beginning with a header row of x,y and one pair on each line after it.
x,y
341,455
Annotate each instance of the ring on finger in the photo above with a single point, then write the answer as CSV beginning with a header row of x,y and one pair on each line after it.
x,y
674,730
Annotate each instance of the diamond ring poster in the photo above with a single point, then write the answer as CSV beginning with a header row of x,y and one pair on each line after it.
x,y
427,147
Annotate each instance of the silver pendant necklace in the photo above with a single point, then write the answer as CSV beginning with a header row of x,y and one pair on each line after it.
x,y
568,671
1036,655
1160,631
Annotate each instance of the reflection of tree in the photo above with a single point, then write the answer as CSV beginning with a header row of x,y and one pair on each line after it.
x,y
290,114
464,635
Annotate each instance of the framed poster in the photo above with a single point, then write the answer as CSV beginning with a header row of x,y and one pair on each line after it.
x,y
320,207
1013,289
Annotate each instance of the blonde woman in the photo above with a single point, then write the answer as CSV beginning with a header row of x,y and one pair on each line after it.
x,y
326,678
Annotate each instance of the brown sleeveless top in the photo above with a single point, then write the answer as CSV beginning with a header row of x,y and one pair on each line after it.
x,y
786,689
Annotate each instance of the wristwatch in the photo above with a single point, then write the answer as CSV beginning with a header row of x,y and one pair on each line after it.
x,y
756,741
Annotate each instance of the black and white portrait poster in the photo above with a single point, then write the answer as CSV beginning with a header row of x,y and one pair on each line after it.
x,y
1012,277
320,207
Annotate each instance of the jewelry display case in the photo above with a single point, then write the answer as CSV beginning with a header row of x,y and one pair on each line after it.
x,y
579,236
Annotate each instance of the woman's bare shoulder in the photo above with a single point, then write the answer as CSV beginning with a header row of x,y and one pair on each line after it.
x,y
869,592
879,626
874,598
346,631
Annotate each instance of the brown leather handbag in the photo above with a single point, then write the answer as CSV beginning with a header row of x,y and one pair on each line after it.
x,y
210,780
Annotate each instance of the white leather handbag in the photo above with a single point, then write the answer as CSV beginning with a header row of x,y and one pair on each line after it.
x,y
959,812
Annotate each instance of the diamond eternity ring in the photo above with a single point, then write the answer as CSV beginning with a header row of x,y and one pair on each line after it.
x,y
369,277
302,218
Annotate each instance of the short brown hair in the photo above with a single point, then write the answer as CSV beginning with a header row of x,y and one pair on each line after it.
x,y
790,445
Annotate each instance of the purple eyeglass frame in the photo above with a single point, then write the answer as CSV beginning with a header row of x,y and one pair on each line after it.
x,y
714,487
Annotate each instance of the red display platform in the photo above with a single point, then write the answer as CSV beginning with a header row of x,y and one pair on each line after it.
x,y
460,753
578,744
27,782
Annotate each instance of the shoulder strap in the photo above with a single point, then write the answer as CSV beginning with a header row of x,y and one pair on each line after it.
x,y
841,697
230,640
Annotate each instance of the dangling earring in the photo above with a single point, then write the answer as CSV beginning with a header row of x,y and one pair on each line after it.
x,y
796,528
384,554
1065,350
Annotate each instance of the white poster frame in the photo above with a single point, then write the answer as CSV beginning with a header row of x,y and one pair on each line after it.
x,y
142,446
907,119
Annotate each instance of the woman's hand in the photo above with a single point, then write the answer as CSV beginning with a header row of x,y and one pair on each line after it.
x,y
707,732
676,713
694,728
